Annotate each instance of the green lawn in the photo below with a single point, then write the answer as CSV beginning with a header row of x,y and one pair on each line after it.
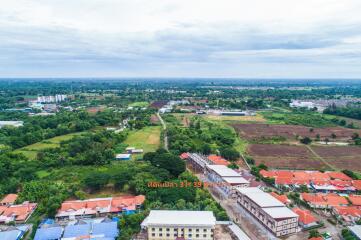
x,y
147,139
139,104
31,151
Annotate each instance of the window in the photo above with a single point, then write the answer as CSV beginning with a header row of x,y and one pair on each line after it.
x,y
160,229
167,229
204,235
153,234
175,235
204,230
189,235
190,229
197,230
197,235
175,229
153,229
160,234
168,234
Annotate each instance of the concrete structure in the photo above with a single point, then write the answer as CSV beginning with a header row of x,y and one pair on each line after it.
x,y
11,124
225,179
268,210
172,225
198,162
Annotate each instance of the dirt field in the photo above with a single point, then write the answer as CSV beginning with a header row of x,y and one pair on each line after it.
x,y
256,131
257,118
158,104
285,156
342,157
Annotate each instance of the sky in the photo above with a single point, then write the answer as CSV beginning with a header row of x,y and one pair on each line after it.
x,y
181,38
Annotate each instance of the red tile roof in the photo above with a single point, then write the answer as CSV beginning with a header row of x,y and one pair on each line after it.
x,y
324,199
335,200
305,216
355,199
9,199
21,211
339,175
267,174
282,198
357,184
218,160
348,211
313,198
283,181
316,238
183,156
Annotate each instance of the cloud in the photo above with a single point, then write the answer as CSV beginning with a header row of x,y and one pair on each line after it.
x,y
237,38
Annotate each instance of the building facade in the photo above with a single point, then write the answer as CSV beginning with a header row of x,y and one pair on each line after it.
x,y
172,225
269,211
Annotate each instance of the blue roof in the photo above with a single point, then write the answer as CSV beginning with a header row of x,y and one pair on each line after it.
x,y
11,235
109,229
48,233
76,230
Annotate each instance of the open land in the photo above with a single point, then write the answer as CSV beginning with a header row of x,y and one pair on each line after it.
x,y
147,139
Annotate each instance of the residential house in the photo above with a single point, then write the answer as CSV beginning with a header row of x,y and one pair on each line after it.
x,y
17,213
8,200
306,219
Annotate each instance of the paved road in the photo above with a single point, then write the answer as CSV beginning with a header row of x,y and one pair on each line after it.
x,y
164,130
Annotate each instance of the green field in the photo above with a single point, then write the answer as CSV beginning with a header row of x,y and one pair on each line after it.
x,y
31,151
147,139
139,104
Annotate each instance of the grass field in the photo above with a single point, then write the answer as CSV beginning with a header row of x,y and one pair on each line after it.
x,y
139,104
257,118
147,139
32,150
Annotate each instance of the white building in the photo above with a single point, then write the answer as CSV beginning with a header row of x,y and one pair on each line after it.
x,y
225,179
11,123
171,225
272,213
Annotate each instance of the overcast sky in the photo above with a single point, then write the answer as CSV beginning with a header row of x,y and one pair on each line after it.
x,y
180,38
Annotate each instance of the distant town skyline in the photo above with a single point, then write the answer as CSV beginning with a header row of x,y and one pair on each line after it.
x,y
173,38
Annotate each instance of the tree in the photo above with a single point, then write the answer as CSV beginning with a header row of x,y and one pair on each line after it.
x,y
306,140
333,135
314,233
96,180
206,149
168,161
230,153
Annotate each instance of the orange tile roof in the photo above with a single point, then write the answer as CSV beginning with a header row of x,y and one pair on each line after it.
x,y
339,175
301,175
316,238
348,211
282,198
341,183
357,184
183,156
267,174
284,174
10,198
283,181
330,199
313,198
2,209
21,211
335,200
218,160
319,176
355,199
305,216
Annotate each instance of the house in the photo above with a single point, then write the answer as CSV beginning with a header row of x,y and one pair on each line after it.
x,y
322,200
282,198
123,156
269,211
11,124
183,156
14,232
306,219
18,213
355,200
225,179
218,160
172,225
99,207
8,200
349,214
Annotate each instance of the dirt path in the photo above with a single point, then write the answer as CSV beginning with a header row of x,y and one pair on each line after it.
x,y
164,130
321,158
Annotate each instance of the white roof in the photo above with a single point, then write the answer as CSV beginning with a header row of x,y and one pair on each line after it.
x,y
235,180
356,230
261,198
123,155
280,212
180,218
224,171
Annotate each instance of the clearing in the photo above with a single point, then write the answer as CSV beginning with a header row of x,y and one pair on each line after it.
x,y
139,104
32,150
147,138
246,119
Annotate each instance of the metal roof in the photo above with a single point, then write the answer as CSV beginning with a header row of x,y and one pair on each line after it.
x,y
10,235
48,233
108,229
76,230
223,171
180,218
235,180
261,198
280,212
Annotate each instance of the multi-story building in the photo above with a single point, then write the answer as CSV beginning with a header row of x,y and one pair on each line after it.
x,y
172,225
269,211
225,179
197,162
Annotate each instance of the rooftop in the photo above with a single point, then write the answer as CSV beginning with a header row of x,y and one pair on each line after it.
x,y
218,160
10,198
180,218
261,198
235,180
305,216
223,171
279,212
